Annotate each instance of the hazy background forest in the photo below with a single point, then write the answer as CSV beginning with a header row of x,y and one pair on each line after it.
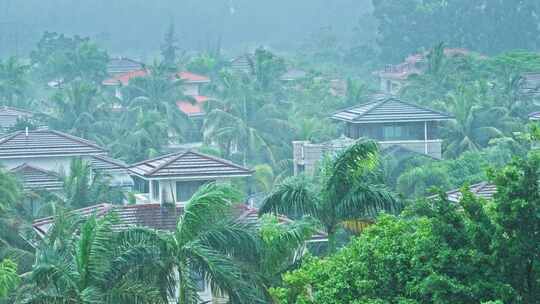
x,y
196,116
135,27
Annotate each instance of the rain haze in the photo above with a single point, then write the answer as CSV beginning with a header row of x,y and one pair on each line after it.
x,y
269,151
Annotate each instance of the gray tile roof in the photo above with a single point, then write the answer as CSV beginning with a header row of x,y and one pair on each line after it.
x,y
534,116
45,143
383,108
155,216
33,178
9,116
109,165
188,165
123,65
484,190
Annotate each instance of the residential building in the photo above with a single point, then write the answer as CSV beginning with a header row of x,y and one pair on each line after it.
x,y
158,217
192,85
394,77
9,116
121,65
116,170
242,64
41,157
386,119
392,121
307,155
484,190
174,178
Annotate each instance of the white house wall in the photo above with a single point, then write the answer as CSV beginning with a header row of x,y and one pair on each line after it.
x,y
59,164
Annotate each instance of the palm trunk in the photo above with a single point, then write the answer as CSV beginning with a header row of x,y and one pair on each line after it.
x,y
332,241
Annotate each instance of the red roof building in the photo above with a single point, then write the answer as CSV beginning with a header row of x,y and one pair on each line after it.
x,y
192,109
124,78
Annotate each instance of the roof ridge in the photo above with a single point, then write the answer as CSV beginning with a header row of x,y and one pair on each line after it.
x,y
111,160
73,137
423,107
219,159
26,165
153,159
375,105
166,163
9,137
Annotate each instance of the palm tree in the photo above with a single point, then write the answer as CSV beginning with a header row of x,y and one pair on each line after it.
x,y
90,263
474,124
80,110
9,278
211,243
159,91
282,248
84,187
13,82
242,117
349,190
13,222
140,135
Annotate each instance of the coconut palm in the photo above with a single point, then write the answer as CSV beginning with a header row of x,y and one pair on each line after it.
x,y
159,91
473,125
210,243
13,82
140,135
282,247
84,187
13,221
90,263
244,118
80,110
349,190
8,277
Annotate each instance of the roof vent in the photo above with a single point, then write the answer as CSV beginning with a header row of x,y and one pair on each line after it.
x,y
26,131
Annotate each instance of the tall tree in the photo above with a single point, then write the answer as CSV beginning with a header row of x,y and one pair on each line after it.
x,y
169,47
13,82
242,117
9,278
210,243
90,263
349,191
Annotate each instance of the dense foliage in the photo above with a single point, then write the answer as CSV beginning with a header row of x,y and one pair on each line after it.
x,y
438,251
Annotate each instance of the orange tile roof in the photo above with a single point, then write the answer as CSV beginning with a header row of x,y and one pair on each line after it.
x,y
124,78
192,109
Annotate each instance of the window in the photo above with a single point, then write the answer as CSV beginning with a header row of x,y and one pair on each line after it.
x,y
186,189
155,190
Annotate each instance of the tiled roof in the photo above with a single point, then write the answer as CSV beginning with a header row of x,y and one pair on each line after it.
x,y
398,150
482,190
45,143
9,116
123,65
384,108
33,178
188,165
154,216
108,164
534,116
124,78
189,77
251,215
242,63
192,109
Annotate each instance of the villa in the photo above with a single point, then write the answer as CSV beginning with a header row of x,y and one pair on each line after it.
x,y
174,178
394,77
40,159
384,118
